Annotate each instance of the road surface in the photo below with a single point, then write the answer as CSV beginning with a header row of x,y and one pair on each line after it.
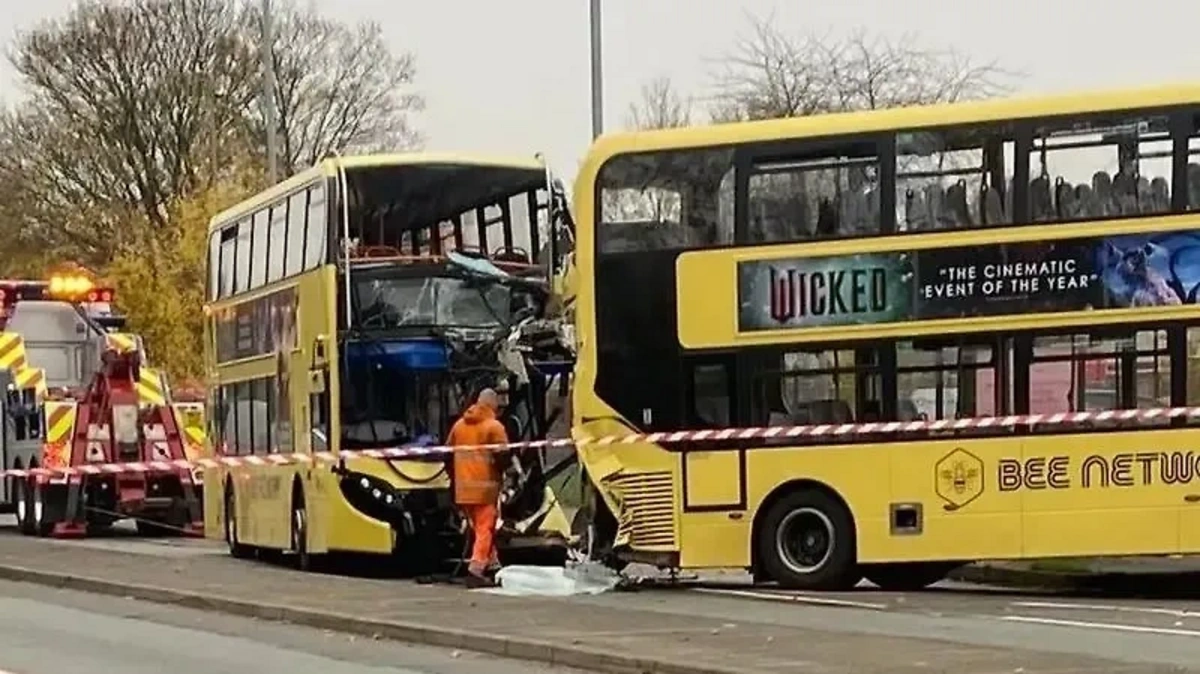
x,y
47,631
956,627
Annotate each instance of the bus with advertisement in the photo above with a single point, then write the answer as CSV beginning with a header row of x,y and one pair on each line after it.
x,y
361,305
972,260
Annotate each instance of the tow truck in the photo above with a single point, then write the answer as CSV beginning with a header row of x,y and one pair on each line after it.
x,y
77,392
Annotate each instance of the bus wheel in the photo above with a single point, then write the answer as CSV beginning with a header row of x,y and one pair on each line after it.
x,y
900,577
807,542
236,549
300,533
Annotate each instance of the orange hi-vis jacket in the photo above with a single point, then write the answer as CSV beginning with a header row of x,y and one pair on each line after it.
x,y
476,471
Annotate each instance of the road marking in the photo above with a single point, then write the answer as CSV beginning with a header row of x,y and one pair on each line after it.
x,y
793,598
1175,613
1102,626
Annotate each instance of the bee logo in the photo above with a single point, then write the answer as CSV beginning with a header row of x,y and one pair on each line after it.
x,y
959,478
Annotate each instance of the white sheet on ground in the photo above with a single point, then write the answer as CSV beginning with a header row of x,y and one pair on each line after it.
x,y
554,581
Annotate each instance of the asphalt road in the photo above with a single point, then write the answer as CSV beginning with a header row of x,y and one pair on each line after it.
x,y
47,631
968,626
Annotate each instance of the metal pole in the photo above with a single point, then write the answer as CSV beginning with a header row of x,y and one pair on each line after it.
x,y
597,73
270,113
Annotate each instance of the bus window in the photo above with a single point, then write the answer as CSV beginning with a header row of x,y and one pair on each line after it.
x,y
1100,168
225,280
278,242
242,268
665,201
1192,179
954,179
945,382
833,195
214,265
259,248
1081,372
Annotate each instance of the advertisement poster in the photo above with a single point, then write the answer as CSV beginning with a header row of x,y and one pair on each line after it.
x,y
997,280
258,327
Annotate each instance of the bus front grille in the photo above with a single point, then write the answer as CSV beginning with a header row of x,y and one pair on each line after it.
x,y
648,509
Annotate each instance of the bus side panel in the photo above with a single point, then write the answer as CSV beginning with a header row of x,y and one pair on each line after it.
x,y
1110,494
964,515
316,316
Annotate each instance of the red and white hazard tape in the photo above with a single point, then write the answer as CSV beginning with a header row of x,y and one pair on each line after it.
x,y
722,434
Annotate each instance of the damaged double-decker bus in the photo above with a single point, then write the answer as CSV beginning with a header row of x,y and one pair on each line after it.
x,y
361,305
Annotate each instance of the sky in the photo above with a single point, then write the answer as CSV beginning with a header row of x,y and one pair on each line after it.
x,y
512,77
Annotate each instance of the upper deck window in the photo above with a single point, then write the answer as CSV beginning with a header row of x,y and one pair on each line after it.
x,y
1192,178
954,179
1095,169
829,194
665,201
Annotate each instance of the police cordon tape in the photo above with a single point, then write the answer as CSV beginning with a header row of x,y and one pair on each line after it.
x,y
662,437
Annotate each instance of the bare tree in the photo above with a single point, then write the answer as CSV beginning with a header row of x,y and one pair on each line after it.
x,y
771,74
127,100
133,104
660,106
339,87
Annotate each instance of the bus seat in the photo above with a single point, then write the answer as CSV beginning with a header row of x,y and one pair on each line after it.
x,y
1102,189
832,411
958,211
935,198
1160,194
1085,200
1040,205
991,209
1124,192
1064,200
916,211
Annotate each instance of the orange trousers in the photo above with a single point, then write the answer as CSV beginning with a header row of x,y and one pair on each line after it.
x,y
483,518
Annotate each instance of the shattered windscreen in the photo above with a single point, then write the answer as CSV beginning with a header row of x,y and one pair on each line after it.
x,y
431,301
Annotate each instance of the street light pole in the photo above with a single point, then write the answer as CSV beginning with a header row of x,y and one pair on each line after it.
x,y
597,73
270,113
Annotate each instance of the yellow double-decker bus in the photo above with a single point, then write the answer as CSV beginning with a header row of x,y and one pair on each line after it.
x,y
361,305
1006,257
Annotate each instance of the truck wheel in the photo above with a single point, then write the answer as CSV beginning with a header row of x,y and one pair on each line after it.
x,y
236,549
908,576
23,498
44,510
807,542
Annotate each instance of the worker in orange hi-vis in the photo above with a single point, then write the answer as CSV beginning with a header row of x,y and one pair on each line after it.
x,y
477,474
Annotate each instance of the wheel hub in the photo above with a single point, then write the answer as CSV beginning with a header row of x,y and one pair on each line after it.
x,y
805,540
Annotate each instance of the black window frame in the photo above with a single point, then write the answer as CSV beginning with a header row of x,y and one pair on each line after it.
x,y
1011,360
1181,120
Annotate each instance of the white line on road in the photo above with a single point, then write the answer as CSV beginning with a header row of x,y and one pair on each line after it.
x,y
793,598
1102,626
1175,613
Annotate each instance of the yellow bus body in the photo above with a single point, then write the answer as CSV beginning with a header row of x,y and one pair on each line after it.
x,y
263,495
692,508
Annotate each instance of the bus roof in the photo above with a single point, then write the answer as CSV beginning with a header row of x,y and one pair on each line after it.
x,y
328,168
847,123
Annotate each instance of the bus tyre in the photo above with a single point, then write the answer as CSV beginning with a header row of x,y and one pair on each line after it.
x,y
236,549
300,534
807,542
908,576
